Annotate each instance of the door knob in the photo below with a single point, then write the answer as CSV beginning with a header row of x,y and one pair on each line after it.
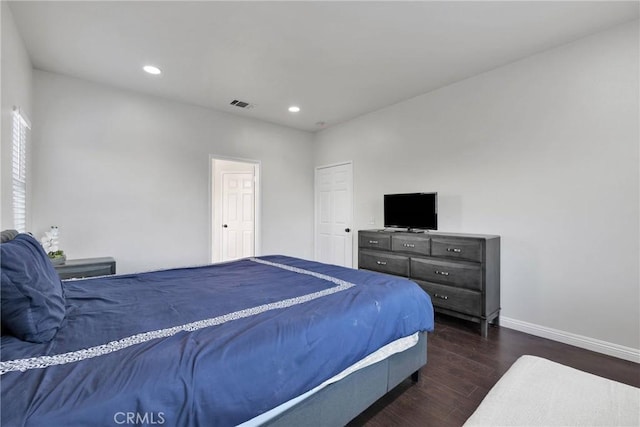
x,y
347,230
224,225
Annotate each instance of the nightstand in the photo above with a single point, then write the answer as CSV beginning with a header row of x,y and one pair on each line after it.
x,y
86,267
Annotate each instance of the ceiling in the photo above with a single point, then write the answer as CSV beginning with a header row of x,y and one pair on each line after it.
x,y
335,60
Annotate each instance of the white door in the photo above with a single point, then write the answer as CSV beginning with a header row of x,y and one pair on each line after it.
x,y
334,211
237,215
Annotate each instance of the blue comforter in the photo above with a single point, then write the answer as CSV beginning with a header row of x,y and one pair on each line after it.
x,y
213,345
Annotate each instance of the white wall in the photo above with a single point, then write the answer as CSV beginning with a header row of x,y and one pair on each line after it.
x,y
127,175
543,152
16,76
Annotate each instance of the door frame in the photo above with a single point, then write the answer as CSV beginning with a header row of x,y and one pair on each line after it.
x,y
316,206
213,226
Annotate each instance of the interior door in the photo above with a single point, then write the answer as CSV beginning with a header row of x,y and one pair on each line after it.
x,y
238,212
334,211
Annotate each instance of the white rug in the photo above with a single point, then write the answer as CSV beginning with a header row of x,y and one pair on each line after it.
x,y
538,392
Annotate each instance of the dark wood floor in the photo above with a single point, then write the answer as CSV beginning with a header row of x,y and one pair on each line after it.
x,y
462,367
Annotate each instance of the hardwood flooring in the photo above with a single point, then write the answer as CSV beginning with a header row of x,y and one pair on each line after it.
x,y
462,367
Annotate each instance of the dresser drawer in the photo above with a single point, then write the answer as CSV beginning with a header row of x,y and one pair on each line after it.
x,y
410,244
470,250
384,262
374,240
459,274
456,299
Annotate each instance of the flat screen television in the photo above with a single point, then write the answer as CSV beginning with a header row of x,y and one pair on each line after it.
x,y
411,211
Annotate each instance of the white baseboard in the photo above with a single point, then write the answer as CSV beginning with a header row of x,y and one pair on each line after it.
x,y
615,350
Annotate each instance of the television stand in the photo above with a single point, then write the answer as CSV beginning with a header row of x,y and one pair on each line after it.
x,y
461,272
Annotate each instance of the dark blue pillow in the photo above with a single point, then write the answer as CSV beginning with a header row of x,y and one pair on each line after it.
x,y
32,297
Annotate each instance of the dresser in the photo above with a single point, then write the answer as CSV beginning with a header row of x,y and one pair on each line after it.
x,y
461,272
86,267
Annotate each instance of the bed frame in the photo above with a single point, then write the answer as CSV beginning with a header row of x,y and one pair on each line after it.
x,y
340,402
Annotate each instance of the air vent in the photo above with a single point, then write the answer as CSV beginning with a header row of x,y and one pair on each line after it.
x,y
241,104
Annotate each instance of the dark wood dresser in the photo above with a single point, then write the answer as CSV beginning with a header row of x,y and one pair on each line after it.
x,y
461,272
86,267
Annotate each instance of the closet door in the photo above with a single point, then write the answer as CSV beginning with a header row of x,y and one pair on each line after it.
x,y
333,214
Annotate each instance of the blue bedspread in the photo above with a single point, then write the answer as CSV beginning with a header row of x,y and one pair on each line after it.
x,y
213,345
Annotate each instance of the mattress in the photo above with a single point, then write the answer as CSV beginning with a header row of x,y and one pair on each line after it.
x,y
383,353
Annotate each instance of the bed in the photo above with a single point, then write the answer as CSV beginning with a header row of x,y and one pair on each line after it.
x,y
272,340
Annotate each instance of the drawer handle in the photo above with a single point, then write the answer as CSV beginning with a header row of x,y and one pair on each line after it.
x,y
440,296
456,250
408,245
381,262
442,273
373,242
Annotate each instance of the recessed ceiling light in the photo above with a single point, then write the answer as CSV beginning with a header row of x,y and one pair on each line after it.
x,y
294,109
151,69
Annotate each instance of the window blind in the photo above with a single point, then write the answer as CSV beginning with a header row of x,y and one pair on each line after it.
x,y
19,166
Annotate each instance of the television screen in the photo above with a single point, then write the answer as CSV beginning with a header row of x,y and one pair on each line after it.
x,y
414,210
